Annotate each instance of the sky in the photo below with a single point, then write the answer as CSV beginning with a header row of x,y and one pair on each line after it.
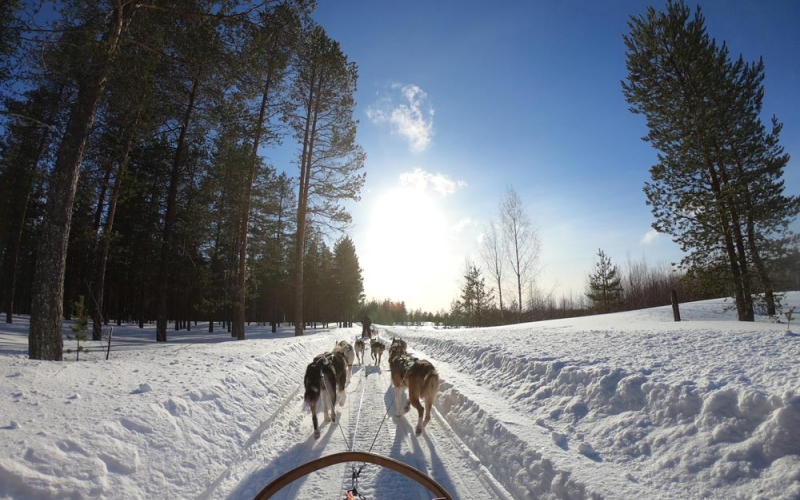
x,y
458,100
620,406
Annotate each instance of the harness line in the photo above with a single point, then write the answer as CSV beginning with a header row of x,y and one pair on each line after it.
x,y
333,408
353,471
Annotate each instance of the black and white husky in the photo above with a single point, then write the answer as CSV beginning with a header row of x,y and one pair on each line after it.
x,y
325,378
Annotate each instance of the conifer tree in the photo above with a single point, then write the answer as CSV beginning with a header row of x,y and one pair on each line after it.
x,y
605,285
476,299
80,324
44,338
270,45
320,115
717,186
347,283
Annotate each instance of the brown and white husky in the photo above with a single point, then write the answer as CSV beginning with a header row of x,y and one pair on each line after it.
x,y
360,347
376,349
422,380
397,348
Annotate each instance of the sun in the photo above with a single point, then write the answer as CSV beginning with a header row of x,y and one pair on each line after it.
x,y
407,241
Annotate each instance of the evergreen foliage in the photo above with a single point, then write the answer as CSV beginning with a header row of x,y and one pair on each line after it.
x,y
605,285
348,284
717,188
80,324
476,299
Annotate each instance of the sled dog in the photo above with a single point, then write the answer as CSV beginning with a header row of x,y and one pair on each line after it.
x,y
360,351
376,348
325,378
397,348
422,380
349,354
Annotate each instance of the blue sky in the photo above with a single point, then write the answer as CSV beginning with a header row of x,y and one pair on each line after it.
x,y
459,99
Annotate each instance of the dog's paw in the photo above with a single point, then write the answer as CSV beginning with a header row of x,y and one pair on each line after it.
x,y
406,408
327,418
316,434
333,418
418,431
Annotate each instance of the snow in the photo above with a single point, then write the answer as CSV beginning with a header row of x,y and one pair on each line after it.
x,y
626,405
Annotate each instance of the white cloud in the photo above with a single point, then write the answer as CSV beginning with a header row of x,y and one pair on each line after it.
x,y
420,179
462,224
650,236
406,110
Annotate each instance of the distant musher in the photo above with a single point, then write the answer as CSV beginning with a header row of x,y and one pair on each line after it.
x,y
366,322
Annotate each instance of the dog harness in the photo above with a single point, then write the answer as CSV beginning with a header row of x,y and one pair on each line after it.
x,y
408,363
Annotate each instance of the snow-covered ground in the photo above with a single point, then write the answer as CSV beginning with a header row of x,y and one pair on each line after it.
x,y
628,405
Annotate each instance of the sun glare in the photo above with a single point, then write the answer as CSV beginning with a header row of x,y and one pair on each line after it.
x,y
408,243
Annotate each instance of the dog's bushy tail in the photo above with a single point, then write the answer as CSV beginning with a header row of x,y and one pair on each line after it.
x,y
430,386
312,385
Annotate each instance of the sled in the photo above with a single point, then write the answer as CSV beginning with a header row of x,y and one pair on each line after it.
x,y
353,456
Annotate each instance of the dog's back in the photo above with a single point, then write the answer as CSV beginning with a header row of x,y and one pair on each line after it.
x,y
422,380
376,348
346,349
360,347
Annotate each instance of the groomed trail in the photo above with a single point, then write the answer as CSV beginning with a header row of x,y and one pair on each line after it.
x,y
366,422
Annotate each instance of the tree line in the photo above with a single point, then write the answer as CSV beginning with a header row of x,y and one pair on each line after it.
x,y
134,165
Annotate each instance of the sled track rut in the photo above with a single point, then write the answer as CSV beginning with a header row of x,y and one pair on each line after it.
x,y
368,423
247,452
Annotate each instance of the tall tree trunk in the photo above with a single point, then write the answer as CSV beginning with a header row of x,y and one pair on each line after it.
x,y
45,340
744,271
238,318
12,252
729,244
761,268
105,243
302,205
169,219
748,314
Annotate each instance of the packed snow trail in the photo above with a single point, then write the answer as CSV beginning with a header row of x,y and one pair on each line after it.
x,y
370,425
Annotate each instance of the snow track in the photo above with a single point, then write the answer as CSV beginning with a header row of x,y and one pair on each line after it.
x,y
367,424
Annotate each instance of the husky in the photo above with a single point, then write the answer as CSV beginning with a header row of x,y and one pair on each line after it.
x,y
360,351
349,354
376,348
422,380
398,347
325,378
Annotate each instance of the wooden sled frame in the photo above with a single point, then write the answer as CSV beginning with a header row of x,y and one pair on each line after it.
x,y
352,456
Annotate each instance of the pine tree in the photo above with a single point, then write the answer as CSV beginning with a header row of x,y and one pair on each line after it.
x,y
605,285
348,283
717,187
476,299
44,338
267,53
80,325
320,115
